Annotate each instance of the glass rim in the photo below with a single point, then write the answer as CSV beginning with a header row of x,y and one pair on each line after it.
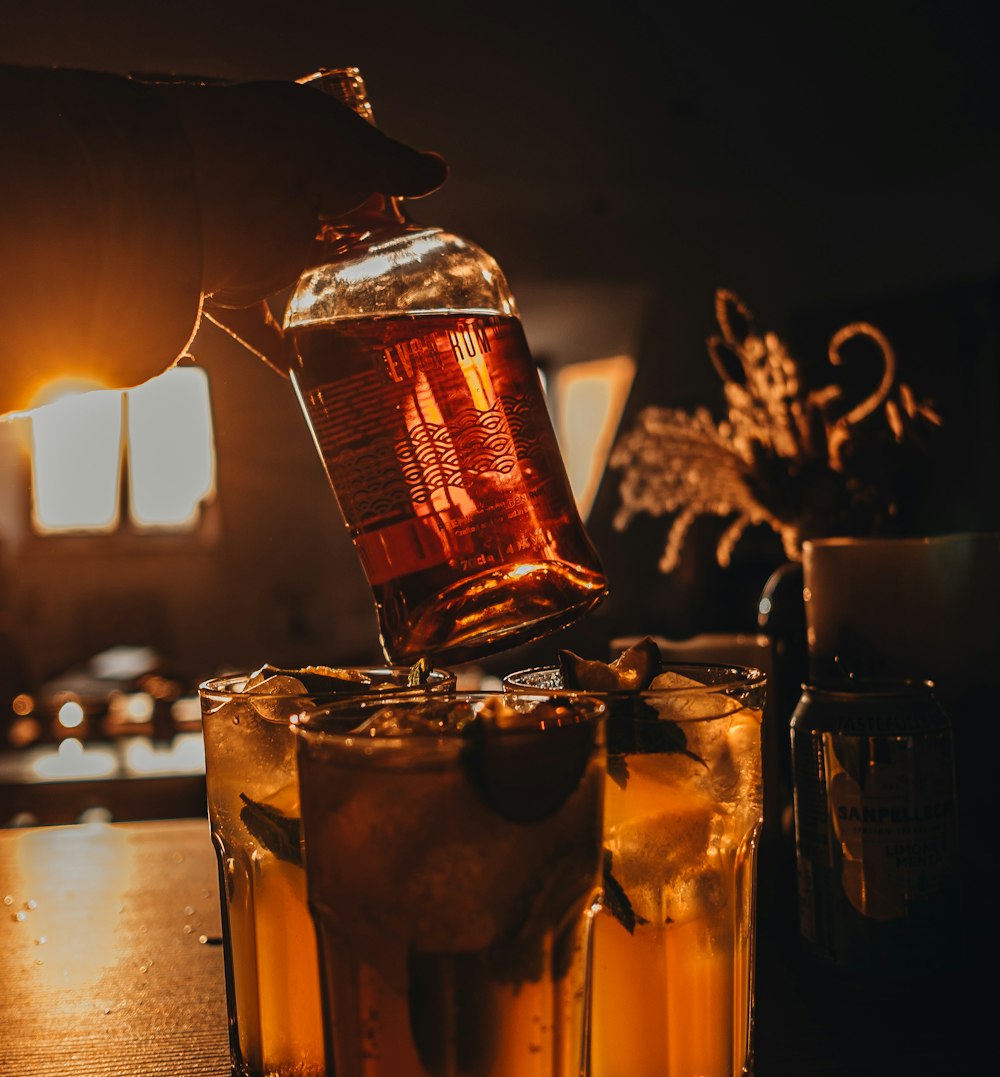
x,y
890,542
874,687
732,677
222,687
306,723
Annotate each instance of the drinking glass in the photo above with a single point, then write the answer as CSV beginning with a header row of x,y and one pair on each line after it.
x,y
453,853
272,982
673,948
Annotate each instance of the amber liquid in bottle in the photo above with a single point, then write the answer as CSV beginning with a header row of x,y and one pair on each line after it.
x,y
436,439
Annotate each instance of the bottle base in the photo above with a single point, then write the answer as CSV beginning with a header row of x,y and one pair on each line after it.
x,y
494,611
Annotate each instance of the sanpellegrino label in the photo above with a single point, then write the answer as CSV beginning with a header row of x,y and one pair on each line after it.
x,y
876,833
892,816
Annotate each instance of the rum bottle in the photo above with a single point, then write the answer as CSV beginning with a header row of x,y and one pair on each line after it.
x,y
412,368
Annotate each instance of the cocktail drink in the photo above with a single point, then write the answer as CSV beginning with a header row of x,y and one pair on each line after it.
x,y
673,947
272,982
453,855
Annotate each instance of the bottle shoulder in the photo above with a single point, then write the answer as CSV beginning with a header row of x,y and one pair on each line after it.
x,y
416,270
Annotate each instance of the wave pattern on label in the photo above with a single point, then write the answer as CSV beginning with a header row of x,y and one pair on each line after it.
x,y
372,486
388,477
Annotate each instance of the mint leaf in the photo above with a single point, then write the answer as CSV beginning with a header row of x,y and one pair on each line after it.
x,y
419,672
522,775
635,727
453,1013
615,900
618,770
280,834
660,736
321,679
518,955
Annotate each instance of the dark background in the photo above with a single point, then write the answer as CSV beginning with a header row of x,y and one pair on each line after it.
x,y
828,163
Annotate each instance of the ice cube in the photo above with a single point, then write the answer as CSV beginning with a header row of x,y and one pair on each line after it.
x,y
670,680
282,691
682,705
280,694
730,748
667,864
442,717
429,868
696,893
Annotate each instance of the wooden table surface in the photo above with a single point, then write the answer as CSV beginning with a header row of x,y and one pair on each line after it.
x,y
112,964
112,967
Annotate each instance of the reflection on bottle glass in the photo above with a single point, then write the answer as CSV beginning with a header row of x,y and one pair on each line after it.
x,y
435,435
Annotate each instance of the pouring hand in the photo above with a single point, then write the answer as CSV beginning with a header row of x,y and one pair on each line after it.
x,y
130,203
270,157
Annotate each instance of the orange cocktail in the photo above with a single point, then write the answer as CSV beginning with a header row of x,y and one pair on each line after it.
x,y
453,856
673,948
272,977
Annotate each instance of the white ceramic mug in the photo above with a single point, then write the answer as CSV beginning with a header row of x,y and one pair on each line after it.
x,y
926,608
903,607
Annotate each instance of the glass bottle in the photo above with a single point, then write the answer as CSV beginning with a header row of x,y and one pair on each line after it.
x,y
412,369
876,825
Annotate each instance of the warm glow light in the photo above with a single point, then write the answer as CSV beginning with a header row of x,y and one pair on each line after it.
x,y
23,731
185,755
171,459
139,707
63,884
590,398
22,704
71,715
130,707
76,461
72,760
524,569
77,453
186,711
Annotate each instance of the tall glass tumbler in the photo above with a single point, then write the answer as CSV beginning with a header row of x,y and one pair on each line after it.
x,y
673,950
453,855
272,981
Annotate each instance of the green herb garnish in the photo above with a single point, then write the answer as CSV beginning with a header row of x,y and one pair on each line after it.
x,y
615,900
280,834
316,679
617,770
420,671
633,724
453,1013
520,774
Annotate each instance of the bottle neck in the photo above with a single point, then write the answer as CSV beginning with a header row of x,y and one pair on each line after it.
x,y
346,85
381,216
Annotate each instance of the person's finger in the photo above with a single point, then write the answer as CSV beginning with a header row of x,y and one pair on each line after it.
x,y
345,157
273,158
408,173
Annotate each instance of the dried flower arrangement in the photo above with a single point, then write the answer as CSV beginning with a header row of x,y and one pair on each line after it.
x,y
805,462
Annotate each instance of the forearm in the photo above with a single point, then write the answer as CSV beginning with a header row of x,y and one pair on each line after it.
x,y
100,240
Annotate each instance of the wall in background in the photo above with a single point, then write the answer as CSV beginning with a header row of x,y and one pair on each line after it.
x,y
271,577
827,165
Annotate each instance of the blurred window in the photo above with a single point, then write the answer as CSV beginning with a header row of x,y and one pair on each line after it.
x,y
587,400
106,459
